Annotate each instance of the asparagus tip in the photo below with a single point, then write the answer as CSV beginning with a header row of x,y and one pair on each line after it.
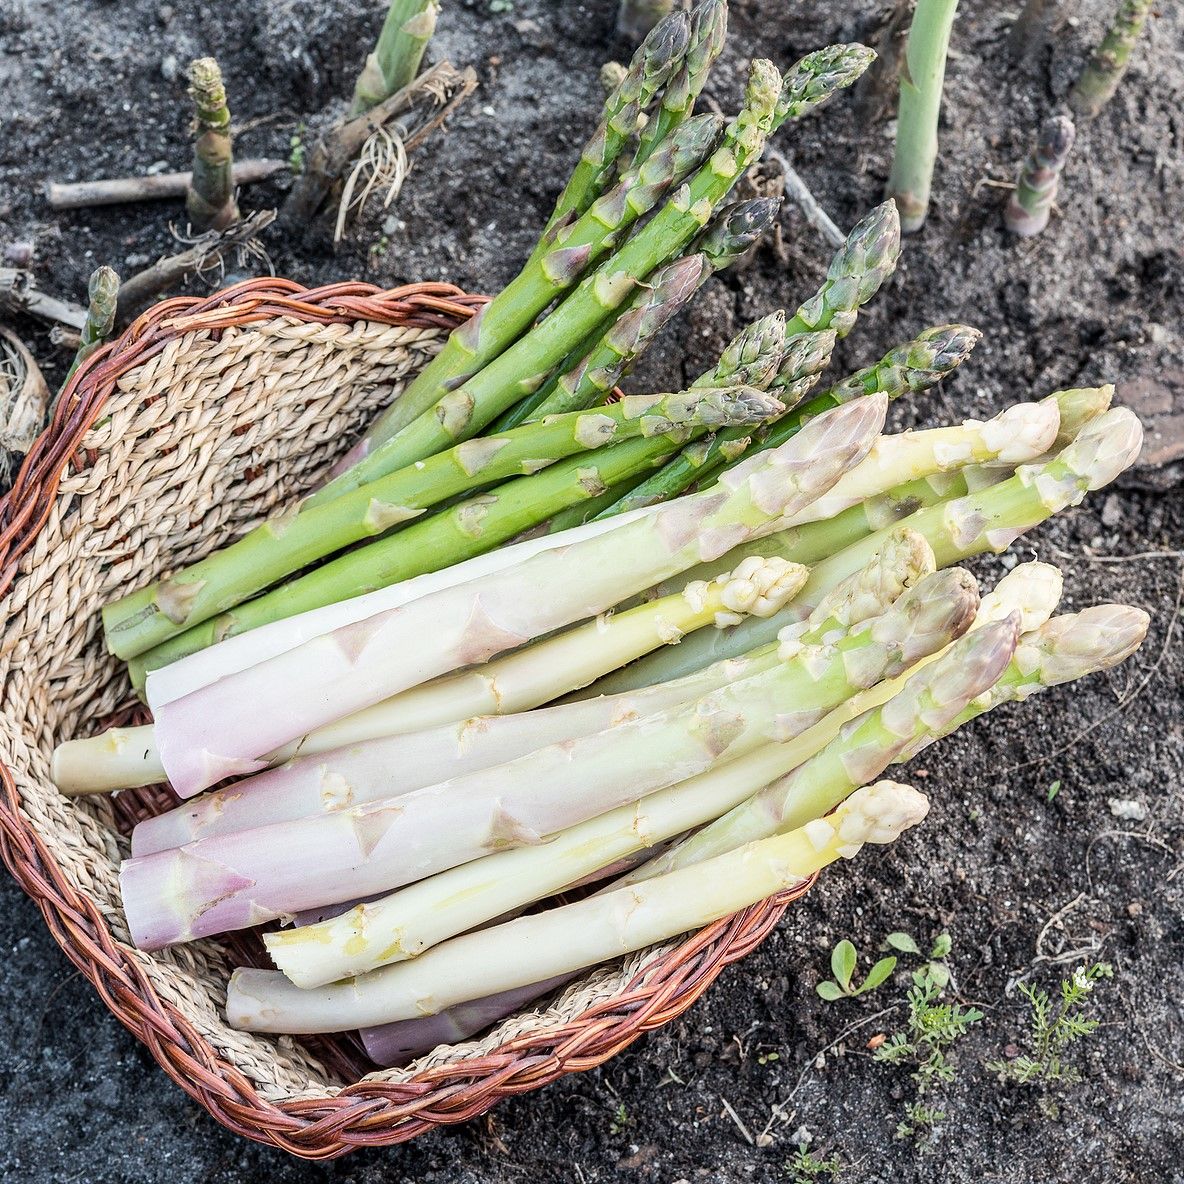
x,y
876,813
1031,589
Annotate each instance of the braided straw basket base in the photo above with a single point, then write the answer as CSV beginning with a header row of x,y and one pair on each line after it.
x,y
203,418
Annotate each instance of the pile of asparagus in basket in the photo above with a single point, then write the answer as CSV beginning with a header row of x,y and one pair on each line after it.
x,y
529,639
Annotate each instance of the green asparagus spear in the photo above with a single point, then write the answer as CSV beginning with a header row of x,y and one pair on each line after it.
x,y
292,541
709,27
209,201
1100,78
1028,208
103,293
394,64
542,279
470,528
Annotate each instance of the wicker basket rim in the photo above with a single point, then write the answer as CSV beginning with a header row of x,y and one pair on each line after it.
x,y
369,1112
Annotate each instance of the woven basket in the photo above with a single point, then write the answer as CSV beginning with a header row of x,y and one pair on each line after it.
x,y
199,421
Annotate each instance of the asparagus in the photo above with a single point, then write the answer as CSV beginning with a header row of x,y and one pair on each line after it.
x,y
404,924
410,753
733,230
863,749
708,30
231,881
1028,208
394,64
560,940
1059,650
519,370
209,201
635,18
920,105
206,737
655,61
460,532
1078,406
1099,80
293,540
103,294
988,519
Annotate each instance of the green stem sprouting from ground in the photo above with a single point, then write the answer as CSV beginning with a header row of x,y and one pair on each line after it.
x,y
210,201
103,292
1100,78
1029,206
920,104
394,64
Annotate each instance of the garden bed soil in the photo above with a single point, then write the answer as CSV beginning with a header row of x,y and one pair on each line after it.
x,y
1029,880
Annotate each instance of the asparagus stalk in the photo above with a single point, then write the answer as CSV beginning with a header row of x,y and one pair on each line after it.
x,y
1059,650
103,294
521,368
1099,80
988,519
1028,208
121,758
508,688
467,529
708,30
635,18
232,881
920,105
209,201
544,278
206,736
394,64
569,938
404,924
733,230
285,544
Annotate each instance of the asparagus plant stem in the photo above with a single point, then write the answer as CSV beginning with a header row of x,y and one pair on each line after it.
x,y
394,64
1030,204
1100,79
920,104
103,295
210,200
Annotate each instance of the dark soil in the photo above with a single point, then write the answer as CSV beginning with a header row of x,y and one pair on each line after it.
x,y
89,89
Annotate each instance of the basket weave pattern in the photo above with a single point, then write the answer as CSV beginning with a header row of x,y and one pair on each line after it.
x,y
205,416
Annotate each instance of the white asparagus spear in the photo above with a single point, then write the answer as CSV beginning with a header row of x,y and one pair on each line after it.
x,y
594,930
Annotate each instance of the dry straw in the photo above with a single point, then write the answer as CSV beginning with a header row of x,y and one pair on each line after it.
x,y
200,420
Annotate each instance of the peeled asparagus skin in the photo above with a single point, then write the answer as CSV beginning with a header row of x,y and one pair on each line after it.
x,y
556,941
121,758
1061,650
403,924
928,701
232,881
988,519
486,735
210,735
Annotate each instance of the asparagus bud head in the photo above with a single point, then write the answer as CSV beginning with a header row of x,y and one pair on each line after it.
x,y
1071,646
758,587
1077,407
736,228
806,356
1031,589
1103,449
752,356
811,81
876,813
1021,431
700,406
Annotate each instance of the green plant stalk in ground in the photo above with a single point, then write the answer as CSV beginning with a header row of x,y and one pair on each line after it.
x,y
394,64
921,84
1030,204
209,201
1100,78
103,296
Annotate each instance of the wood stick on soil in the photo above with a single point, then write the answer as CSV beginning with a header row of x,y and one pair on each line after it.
x,y
80,195
799,193
204,253
17,295
444,85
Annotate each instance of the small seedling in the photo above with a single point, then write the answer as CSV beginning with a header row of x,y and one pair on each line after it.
x,y
1053,790
620,1119
296,151
931,1030
1054,1027
805,1168
842,964
918,1122
935,970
